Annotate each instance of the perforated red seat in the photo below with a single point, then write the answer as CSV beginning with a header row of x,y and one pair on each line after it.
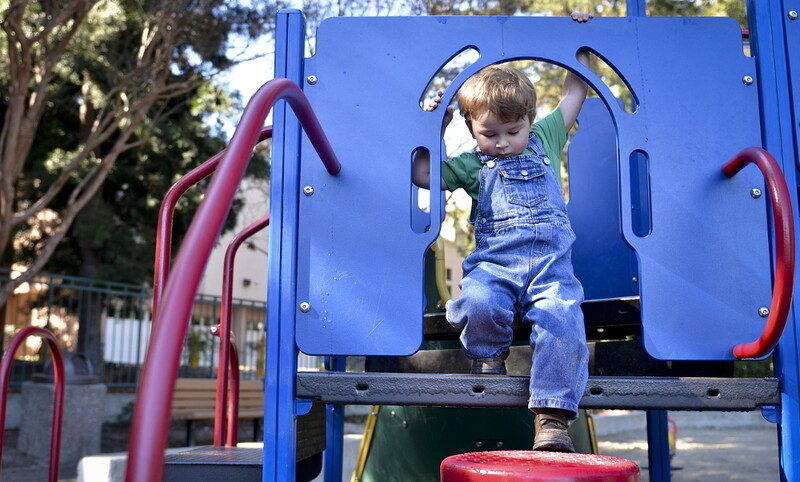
x,y
523,465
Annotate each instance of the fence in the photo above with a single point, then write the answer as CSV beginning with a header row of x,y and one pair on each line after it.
x,y
112,321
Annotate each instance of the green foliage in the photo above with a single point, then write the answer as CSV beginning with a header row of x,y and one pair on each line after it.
x,y
754,369
161,58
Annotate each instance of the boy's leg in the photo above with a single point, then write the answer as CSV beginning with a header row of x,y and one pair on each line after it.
x,y
484,311
559,369
484,314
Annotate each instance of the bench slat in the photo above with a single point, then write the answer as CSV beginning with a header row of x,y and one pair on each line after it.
x,y
195,399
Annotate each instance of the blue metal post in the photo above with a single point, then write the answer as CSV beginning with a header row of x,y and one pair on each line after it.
x,y
334,425
770,24
658,445
281,357
635,8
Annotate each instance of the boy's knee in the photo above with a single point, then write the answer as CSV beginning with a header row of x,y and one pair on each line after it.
x,y
476,312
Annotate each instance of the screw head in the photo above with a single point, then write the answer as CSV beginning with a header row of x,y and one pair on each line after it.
x,y
312,79
308,191
792,14
305,307
755,192
763,312
479,444
747,80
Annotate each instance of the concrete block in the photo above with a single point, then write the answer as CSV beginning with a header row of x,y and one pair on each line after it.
x,y
81,432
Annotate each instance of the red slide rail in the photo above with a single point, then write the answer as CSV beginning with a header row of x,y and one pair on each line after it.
x,y
225,343
154,398
162,266
784,249
58,392
167,209
233,400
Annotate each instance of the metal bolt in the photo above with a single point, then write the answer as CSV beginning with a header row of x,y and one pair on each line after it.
x,y
635,279
500,444
214,330
763,312
747,79
755,192
308,190
479,444
305,307
792,14
405,423
312,79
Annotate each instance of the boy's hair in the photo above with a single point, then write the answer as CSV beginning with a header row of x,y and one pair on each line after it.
x,y
502,90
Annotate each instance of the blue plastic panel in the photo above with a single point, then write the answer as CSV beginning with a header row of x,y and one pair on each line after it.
x,y
704,267
603,261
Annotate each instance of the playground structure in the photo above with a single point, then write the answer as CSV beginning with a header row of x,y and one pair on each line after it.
x,y
695,249
670,218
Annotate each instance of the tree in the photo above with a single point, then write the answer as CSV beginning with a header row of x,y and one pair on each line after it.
x,y
118,69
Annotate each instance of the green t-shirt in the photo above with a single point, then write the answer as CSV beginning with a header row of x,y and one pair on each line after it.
x,y
463,171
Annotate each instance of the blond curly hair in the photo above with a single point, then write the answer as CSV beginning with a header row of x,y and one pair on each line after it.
x,y
500,89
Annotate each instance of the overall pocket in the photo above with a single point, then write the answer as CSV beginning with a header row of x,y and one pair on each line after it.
x,y
524,184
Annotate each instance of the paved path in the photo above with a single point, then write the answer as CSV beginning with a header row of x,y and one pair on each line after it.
x,y
708,451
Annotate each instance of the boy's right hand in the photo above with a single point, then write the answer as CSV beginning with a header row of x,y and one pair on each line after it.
x,y
432,104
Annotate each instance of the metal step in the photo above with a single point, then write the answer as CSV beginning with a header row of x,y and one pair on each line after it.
x,y
242,464
634,393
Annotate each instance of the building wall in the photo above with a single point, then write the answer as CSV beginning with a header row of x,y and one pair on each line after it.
x,y
250,266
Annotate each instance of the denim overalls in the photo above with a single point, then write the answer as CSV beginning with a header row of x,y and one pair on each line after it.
x,y
522,267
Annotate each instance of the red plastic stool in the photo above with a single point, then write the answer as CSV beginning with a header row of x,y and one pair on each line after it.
x,y
526,465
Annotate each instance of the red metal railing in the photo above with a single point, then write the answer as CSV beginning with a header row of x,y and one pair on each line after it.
x,y
225,343
160,370
162,265
167,209
784,249
233,400
58,391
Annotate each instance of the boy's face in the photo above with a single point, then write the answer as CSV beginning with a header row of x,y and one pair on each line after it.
x,y
498,138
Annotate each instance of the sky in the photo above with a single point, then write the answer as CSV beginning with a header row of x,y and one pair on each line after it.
x,y
248,77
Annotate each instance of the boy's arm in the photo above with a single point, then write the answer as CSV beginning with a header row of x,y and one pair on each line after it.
x,y
421,170
574,91
421,164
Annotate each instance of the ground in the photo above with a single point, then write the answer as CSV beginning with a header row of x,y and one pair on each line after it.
x,y
707,454
723,452
19,467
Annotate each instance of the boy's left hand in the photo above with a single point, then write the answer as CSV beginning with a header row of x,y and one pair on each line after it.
x,y
581,16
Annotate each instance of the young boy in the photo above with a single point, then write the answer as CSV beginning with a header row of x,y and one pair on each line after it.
x,y
522,264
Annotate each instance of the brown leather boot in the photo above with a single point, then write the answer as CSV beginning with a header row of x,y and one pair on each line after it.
x,y
551,431
490,366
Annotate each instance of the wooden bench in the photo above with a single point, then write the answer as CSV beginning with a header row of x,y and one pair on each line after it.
x,y
195,399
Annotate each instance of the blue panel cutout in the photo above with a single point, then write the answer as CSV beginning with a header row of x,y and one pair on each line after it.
x,y
704,267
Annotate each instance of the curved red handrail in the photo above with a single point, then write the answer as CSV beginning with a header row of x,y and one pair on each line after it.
x,y
149,428
232,399
166,210
233,405
58,391
784,249
225,326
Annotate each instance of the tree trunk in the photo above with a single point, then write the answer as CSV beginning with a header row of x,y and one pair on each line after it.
x,y
90,308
